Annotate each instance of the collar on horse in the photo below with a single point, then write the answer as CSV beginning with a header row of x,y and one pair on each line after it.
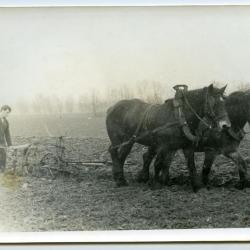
x,y
179,101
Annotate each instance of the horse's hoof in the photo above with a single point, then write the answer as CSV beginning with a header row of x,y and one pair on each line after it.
x,y
121,183
205,181
142,178
167,182
196,188
240,185
156,186
247,183
197,185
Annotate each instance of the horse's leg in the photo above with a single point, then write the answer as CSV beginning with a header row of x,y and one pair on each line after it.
x,y
117,167
237,158
208,162
148,156
189,155
157,168
165,167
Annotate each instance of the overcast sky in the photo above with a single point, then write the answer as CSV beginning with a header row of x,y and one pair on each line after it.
x,y
66,51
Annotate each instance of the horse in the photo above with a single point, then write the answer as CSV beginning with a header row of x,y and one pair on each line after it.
x,y
131,118
238,108
225,142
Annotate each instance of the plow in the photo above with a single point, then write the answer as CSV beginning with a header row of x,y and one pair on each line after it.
x,y
29,159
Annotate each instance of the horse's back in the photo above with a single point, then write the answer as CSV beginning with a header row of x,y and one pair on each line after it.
x,y
128,113
124,109
124,105
124,116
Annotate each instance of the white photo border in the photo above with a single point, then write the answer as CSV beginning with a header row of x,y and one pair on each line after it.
x,y
126,236
114,3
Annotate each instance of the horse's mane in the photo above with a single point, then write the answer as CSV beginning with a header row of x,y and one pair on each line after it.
x,y
194,93
237,104
238,97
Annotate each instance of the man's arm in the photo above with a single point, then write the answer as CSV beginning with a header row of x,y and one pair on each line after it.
x,y
7,136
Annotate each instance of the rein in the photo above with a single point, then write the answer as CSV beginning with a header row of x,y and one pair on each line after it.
x,y
209,115
182,121
194,112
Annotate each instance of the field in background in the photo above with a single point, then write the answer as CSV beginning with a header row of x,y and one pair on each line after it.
x,y
72,125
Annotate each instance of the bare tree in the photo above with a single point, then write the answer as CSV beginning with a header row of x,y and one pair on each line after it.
x,y
37,104
243,86
69,104
111,96
58,104
87,103
82,103
47,103
22,106
91,103
125,92
95,102
42,104
157,92
152,92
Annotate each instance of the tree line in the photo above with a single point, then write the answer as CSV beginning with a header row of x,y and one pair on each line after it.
x,y
94,102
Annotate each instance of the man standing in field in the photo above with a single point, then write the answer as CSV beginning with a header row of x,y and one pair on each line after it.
x,y
5,139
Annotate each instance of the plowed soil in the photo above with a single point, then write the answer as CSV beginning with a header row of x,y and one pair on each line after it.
x,y
85,198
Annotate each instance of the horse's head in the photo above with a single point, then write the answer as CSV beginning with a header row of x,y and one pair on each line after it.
x,y
245,107
215,108
238,108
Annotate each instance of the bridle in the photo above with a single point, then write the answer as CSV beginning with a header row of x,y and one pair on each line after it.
x,y
207,110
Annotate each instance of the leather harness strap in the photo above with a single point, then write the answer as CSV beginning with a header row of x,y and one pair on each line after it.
x,y
140,124
178,104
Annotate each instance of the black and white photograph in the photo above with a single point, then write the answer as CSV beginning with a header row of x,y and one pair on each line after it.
x,y
118,118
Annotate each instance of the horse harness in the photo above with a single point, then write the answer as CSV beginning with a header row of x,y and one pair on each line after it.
x,y
205,122
178,104
179,101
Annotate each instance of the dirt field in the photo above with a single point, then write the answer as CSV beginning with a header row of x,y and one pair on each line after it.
x,y
89,199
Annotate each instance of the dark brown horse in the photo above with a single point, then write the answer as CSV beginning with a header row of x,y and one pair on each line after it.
x,y
216,142
126,116
238,108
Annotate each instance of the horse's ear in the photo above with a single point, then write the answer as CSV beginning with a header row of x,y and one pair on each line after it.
x,y
211,88
222,90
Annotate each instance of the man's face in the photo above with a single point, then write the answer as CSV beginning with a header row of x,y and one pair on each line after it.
x,y
5,113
